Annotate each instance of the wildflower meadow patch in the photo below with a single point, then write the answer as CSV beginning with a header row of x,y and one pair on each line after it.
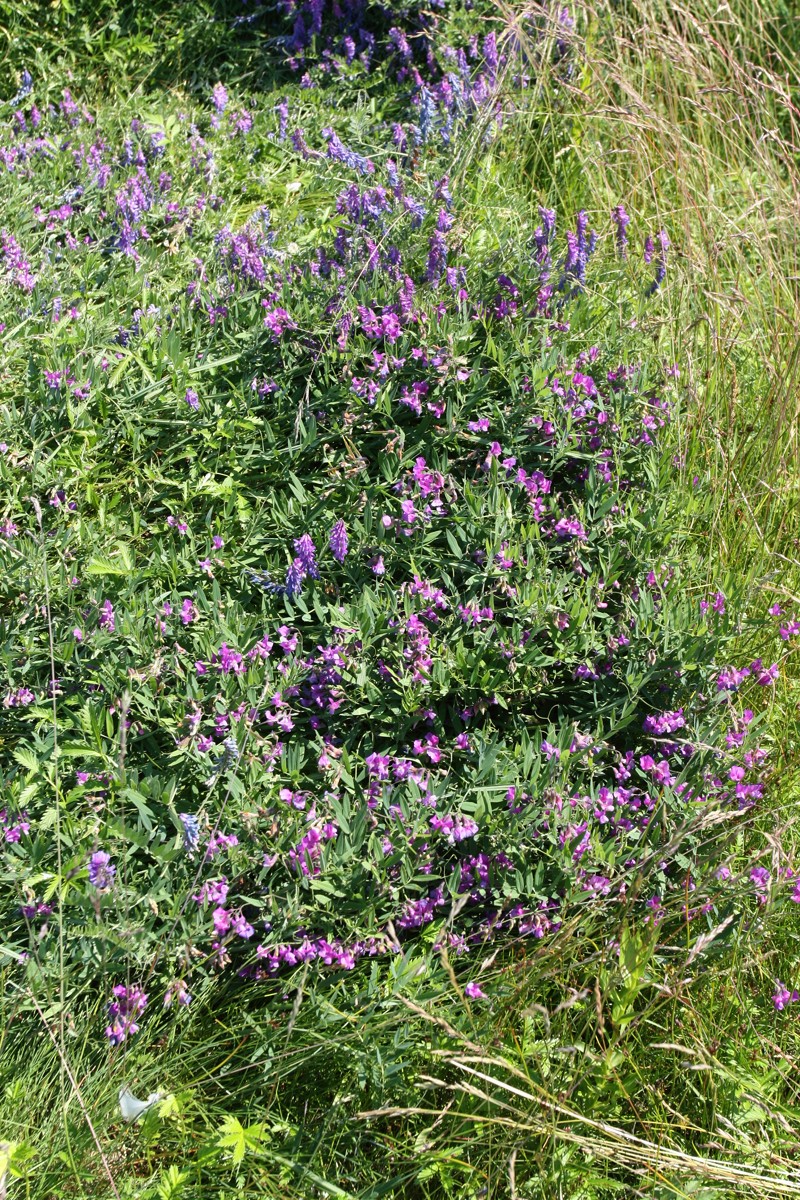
x,y
350,602
374,628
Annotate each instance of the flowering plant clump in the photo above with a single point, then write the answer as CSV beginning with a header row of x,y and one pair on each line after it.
x,y
341,555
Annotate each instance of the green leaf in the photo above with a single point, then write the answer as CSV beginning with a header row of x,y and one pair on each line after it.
x,y
27,759
105,564
239,1140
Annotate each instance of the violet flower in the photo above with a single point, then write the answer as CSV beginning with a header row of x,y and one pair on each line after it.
x,y
783,996
621,221
306,553
338,541
129,1003
101,871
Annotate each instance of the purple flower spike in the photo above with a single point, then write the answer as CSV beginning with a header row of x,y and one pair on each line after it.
x,y
661,262
490,55
282,109
548,219
338,541
306,553
437,257
101,871
621,220
219,97
294,579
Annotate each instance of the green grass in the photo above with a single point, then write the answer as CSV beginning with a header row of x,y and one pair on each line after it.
x,y
389,1083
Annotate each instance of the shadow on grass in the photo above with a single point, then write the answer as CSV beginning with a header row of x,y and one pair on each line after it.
x,y
147,44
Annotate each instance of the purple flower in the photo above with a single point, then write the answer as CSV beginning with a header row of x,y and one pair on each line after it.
x,y
215,891
621,221
760,879
474,991
277,321
282,109
569,527
338,152
661,262
191,831
229,661
241,927
245,251
128,1004
764,675
219,97
437,257
18,269
378,765
177,991
192,399
299,143
294,579
665,722
416,209
222,921
579,248
399,42
101,871
490,55
107,616
783,996
730,678
306,553
338,541
455,829
548,219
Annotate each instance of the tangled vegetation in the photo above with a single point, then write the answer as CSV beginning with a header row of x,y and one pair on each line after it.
x,y
398,718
